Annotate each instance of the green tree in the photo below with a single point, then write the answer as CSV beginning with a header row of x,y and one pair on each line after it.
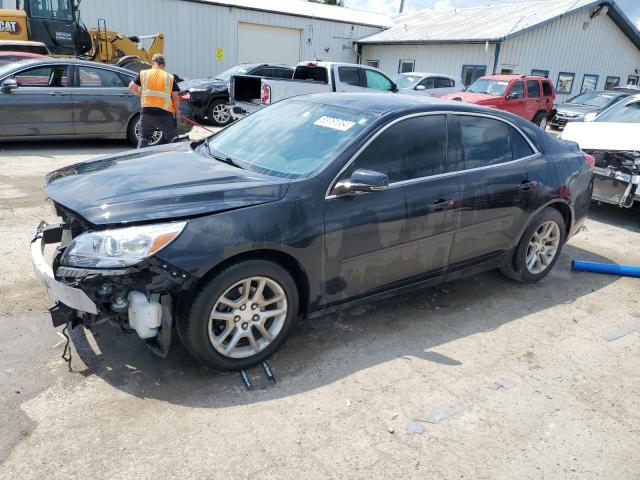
x,y
339,3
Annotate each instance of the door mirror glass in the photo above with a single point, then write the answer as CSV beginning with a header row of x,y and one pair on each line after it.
x,y
514,96
421,88
590,117
362,181
8,85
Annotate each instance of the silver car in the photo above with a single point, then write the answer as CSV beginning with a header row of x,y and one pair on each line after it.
x,y
50,99
433,84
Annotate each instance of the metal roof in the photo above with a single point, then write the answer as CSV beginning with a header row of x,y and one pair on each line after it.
x,y
490,22
303,8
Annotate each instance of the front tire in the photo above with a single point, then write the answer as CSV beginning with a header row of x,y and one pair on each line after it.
x,y
219,113
241,316
538,249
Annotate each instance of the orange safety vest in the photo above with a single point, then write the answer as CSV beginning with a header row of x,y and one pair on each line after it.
x,y
157,86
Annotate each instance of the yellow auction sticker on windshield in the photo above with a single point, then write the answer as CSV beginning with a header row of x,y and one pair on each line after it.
x,y
334,123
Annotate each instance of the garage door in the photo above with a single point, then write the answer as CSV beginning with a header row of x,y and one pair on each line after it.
x,y
263,43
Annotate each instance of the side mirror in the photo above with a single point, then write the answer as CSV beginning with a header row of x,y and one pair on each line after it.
x,y
590,117
8,85
394,88
362,181
420,88
513,96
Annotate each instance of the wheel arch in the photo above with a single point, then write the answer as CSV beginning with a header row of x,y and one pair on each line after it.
x,y
565,210
284,260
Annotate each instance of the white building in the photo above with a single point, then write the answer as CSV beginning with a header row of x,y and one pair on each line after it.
x,y
579,44
205,37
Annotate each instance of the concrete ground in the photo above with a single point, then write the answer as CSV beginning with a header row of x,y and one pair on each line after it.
x,y
480,378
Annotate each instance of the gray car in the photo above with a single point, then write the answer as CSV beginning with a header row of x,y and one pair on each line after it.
x,y
64,98
576,108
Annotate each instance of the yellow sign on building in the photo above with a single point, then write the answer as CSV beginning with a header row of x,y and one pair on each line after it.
x,y
219,54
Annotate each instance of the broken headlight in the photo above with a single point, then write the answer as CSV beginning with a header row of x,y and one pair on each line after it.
x,y
120,247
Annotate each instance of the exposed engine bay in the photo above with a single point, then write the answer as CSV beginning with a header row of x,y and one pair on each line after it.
x,y
616,177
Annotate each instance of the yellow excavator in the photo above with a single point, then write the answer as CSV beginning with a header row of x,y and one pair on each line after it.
x,y
57,24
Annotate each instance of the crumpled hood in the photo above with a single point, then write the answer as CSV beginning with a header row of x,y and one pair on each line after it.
x,y
166,182
604,135
209,83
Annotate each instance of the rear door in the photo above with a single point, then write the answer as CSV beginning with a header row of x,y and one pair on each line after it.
x,y
374,80
499,183
102,102
443,85
377,239
534,102
348,79
41,105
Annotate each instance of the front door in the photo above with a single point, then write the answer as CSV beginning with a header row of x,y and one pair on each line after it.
x,y
514,100
40,106
379,239
499,184
102,102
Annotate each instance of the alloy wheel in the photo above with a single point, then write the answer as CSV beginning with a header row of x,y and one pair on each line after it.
x,y
220,114
543,247
247,317
155,138
543,123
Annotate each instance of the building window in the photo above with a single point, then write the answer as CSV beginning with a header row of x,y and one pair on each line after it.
x,y
470,73
406,66
632,80
539,73
611,83
589,83
373,63
565,82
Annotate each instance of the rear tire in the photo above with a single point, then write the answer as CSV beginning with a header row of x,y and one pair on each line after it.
x,y
541,120
538,249
133,132
227,329
219,113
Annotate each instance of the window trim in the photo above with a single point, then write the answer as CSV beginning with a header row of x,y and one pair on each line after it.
x,y
533,74
406,60
473,70
573,80
584,77
329,196
607,81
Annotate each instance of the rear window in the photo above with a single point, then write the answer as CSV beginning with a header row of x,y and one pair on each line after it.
x,y
318,74
349,75
533,89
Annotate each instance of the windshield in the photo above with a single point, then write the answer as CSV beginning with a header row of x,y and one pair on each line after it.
x,y
51,9
591,99
406,81
237,70
489,87
622,112
314,135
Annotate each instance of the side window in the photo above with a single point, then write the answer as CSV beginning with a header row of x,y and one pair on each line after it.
x,y
412,148
546,89
485,141
349,75
441,82
283,73
99,78
533,89
519,145
54,76
262,72
517,90
428,83
376,80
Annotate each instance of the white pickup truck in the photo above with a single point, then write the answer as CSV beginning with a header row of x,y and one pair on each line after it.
x,y
250,93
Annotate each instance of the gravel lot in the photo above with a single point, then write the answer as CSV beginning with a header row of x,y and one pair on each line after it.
x,y
398,389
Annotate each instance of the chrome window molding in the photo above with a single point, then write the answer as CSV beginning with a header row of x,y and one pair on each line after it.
x,y
536,152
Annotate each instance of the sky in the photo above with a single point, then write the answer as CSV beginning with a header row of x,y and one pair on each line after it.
x,y
630,7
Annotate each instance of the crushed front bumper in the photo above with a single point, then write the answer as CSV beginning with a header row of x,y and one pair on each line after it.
x,y
58,291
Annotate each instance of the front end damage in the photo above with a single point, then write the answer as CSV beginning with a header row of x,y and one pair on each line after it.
x,y
616,177
138,298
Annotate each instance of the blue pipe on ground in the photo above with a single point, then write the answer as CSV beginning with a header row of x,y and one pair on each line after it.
x,y
624,270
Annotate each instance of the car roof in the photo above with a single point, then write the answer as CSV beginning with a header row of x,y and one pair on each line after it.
x,y
429,74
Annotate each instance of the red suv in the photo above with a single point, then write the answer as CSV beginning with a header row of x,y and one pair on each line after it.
x,y
528,96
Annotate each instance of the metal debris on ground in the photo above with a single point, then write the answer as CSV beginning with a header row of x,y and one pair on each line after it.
x,y
66,353
446,411
414,428
622,332
501,383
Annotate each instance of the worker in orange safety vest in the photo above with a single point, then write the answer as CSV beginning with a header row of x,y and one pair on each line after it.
x,y
158,92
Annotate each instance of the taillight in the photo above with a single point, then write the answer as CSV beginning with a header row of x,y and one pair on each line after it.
x,y
265,97
312,64
184,96
591,161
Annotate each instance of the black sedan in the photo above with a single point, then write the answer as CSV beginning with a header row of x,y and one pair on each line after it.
x,y
210,96
578,107
57,99
356,197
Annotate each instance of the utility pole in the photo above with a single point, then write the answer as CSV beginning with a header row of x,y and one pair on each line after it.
x,y
401,7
